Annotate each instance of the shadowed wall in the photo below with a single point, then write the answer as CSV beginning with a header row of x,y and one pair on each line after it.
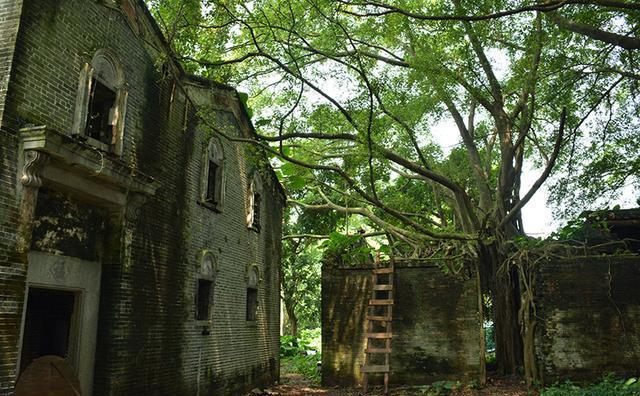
x,y
436,325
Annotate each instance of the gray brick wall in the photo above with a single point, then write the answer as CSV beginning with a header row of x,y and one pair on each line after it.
x,y
588,317
9,22
149,341
436,326
12,270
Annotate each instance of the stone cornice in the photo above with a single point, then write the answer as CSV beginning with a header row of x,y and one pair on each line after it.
x,y
77,165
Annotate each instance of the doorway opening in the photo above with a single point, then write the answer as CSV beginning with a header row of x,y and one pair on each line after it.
x,y
48,326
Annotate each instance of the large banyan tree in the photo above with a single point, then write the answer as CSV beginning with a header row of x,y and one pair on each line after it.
x,y
347,95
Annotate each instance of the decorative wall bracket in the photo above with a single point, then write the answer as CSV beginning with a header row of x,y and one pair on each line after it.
x,y
34,163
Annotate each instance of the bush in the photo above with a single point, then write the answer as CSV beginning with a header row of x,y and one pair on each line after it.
x,y
309,340
609,386
292,346
305,365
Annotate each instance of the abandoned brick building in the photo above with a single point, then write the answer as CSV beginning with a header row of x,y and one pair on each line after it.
x,y
139,241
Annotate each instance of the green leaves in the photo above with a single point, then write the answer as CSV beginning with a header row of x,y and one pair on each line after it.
x,y
608,386
388,75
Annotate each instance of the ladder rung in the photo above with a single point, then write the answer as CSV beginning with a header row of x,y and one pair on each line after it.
x,y
380,302
379,335
377,350
383,270
382,287
375,369
379,318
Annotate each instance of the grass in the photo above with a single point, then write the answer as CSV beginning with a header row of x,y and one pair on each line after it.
x,y
305,366
608,386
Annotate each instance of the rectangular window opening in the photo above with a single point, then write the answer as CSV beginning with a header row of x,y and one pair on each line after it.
x,y
203,299
101,115
252,304
256,210
212,178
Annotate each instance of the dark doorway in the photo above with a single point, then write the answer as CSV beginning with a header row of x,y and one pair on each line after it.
x,y
47,325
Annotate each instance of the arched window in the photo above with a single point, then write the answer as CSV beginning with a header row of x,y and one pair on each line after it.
x,y
101,102
254,208
212,180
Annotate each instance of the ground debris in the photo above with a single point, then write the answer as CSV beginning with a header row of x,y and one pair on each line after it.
x,y
501,386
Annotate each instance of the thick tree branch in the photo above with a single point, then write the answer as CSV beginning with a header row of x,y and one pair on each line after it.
x,y
626,42
547,6
318,236
515,210
474,156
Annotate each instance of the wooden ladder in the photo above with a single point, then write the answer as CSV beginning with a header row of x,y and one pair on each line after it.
x,y
379,316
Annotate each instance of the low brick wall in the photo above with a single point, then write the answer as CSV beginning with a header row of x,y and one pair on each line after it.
x,y
588,317
436,326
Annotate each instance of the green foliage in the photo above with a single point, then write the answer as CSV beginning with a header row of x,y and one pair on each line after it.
x,y
309,340
301,283
305,365
244,99
294,358
386,80
609,386
489,336
291,346
348,249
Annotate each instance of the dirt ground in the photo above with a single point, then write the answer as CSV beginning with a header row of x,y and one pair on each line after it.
x,y
295,385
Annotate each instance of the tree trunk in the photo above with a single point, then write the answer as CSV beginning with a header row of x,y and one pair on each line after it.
x,y
505,294
293,319
506,304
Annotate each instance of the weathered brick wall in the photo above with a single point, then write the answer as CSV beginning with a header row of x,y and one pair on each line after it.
x,y
148,339
12,270
240,352
10,11
588,317
436,325
66,226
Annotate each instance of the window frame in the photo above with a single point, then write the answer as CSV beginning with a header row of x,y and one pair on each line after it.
x,y
207,272
252,289
106,68
251,307
214,154
254,222
208,282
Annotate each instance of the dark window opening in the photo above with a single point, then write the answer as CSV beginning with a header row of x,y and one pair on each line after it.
x,y
101,117
203,299
212,180
252,303
256,211
47,325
